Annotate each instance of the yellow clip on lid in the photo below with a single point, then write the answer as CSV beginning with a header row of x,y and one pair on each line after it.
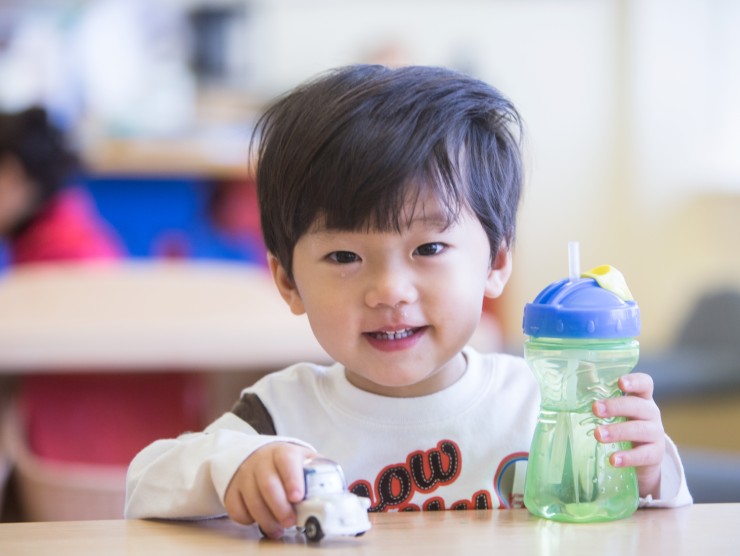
x,y
610,279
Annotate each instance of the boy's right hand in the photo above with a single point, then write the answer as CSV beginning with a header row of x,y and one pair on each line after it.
x,y
265,487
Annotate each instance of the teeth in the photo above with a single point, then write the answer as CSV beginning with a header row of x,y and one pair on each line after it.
x,y
397,335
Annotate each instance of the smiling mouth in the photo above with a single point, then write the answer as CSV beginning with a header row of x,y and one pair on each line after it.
x,y
393,335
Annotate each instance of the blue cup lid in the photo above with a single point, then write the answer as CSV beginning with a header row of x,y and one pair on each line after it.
x,y
582,308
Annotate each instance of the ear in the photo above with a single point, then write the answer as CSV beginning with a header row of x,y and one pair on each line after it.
x,y
498,274
285,286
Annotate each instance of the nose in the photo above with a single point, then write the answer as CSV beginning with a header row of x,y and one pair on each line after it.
x,y
391,287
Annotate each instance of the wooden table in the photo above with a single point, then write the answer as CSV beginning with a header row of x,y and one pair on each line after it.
x,y
702,529
148,315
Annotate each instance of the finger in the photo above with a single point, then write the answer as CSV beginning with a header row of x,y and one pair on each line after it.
x,y
289,464
272,495
630,407
638,432
263,515
236,507
255,504
637,384
641,456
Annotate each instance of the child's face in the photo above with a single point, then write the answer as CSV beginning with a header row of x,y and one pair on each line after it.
x,y
16,194
396,308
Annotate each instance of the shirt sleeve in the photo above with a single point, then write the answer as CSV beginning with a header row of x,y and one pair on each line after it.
x,y
674,491
186,477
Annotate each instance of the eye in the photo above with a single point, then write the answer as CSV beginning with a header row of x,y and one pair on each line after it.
x,y
343,257
430,249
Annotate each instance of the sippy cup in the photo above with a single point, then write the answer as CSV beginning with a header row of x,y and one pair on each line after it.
x,y
580,341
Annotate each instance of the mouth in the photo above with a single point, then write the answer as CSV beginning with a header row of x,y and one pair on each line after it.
x,y
396,338
392,335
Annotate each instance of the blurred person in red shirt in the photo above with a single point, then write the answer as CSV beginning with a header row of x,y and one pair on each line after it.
x,y
91,417
42,217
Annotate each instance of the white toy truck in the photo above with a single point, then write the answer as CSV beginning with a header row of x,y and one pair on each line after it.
x,y
328,508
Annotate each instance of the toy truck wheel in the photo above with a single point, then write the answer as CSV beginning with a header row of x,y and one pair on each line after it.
x,y
313,530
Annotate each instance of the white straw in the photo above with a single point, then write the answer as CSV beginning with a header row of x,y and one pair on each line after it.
x,y
574,260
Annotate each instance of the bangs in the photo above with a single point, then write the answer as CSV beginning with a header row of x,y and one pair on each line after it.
x,y
391,207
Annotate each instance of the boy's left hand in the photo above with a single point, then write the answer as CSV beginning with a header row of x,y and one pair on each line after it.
x,y
643,428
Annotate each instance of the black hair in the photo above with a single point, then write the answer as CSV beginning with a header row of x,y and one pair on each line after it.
x,y
351,146
41,148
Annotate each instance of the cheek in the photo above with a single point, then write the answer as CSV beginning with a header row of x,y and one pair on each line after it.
x,y
467,280
328,311
458,297
332,326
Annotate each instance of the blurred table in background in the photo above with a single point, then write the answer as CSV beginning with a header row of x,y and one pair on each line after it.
x,y
148,315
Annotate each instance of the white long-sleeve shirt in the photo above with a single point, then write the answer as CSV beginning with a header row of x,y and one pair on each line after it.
x,y
465,446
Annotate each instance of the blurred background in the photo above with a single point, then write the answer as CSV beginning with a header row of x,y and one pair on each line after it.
x,y
632,146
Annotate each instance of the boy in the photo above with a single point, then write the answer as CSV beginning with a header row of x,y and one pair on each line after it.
x,y
388,202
